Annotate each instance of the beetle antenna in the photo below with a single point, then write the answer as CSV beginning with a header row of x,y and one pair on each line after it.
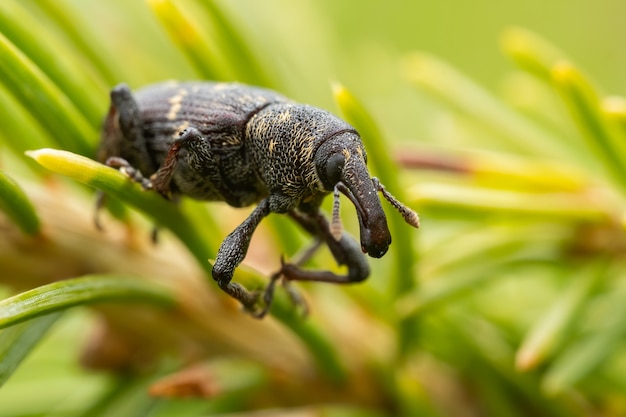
x,y
408,215
336,228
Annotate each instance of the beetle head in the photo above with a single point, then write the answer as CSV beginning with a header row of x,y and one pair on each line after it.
x,y
341,167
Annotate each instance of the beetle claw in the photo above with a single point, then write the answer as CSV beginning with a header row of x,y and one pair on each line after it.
x,y
253,309
268,294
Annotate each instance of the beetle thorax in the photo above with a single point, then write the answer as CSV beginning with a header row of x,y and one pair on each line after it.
x,y
282,141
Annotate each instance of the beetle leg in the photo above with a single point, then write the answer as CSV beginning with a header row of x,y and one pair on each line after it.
x,y
128,112
294,295
163,177
232,251
130,122
130,171
122,135
345,250
100,202
135,175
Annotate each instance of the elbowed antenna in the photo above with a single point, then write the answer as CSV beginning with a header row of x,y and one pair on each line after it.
x,y
336,226
409,216
342,169
356,184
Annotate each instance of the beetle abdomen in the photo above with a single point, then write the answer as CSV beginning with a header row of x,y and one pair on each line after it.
x,y
219,169
219,111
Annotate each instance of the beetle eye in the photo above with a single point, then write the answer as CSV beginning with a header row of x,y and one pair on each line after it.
x,y
334,168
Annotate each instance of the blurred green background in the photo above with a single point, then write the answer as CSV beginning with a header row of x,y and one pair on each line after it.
x,y
501,123
308,44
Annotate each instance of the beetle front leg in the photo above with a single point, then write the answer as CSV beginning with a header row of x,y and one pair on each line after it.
x,y
233,250
129,123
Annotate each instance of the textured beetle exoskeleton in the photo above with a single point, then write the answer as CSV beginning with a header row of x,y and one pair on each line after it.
x,y
246,145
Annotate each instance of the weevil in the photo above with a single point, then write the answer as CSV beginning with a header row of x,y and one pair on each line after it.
x,y
247,145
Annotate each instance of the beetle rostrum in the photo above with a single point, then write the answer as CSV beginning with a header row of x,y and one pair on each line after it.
x,y
247,145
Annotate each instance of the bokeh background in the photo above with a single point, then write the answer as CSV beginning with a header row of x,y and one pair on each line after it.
x,y
309,44
501,123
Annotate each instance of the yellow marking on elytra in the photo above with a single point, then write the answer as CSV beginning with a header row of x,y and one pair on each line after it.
x,y
272,145
284,116
176,103
346,154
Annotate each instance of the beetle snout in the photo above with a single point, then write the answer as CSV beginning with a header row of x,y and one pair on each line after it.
x,y
375,240
355,183
375,249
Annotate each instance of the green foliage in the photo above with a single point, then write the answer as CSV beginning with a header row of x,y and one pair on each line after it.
x,y
508,301
17,342
61,295
117,185
17,207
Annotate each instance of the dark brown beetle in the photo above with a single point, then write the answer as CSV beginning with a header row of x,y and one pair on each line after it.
x,y
246,145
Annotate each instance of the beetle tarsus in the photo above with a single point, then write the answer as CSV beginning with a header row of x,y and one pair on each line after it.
x,y
130,171
268,295
294,295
